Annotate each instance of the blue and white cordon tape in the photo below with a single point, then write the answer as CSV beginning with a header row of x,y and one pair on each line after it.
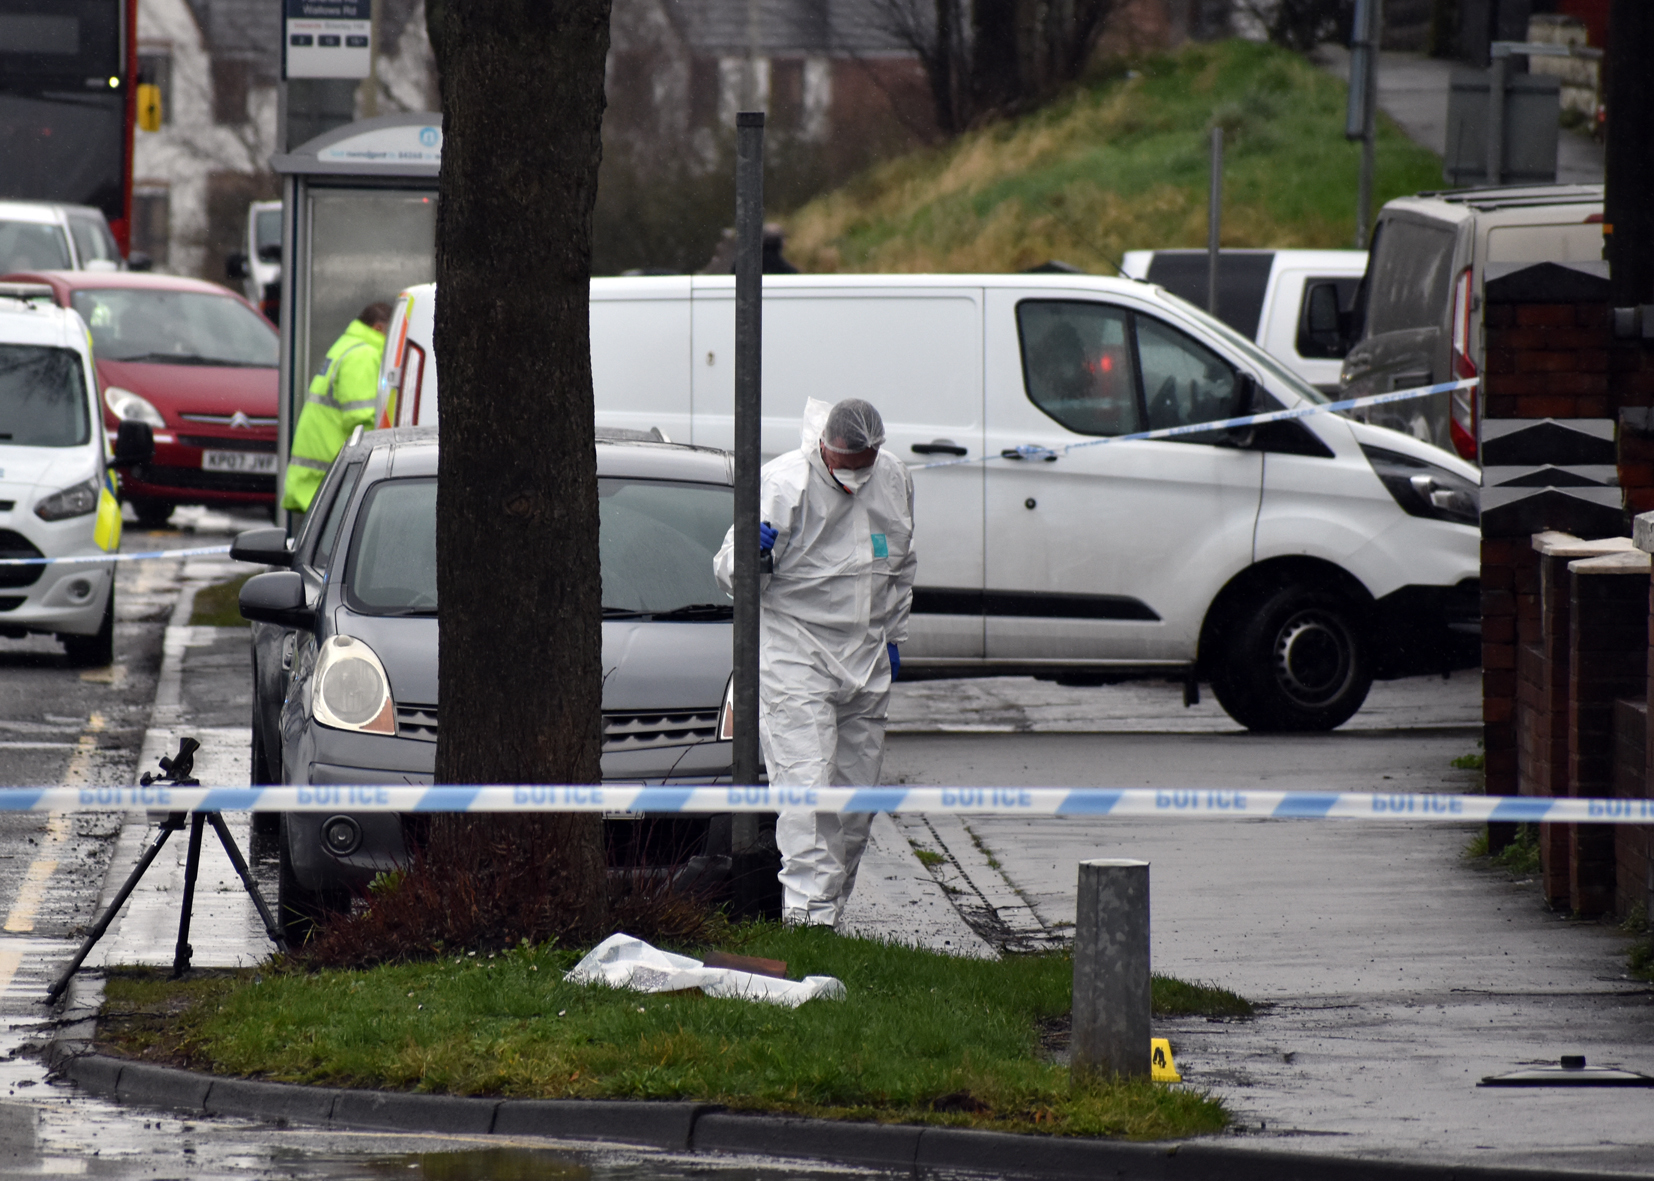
x,y
1226,424
200,551
615,798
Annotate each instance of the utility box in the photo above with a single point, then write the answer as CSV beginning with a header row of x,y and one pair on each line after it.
x,y
1532,104
358,225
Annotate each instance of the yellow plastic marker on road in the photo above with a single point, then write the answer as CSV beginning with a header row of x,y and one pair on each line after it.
x,y
1161,1067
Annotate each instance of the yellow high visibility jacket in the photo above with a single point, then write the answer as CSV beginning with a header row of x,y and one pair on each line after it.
x,y
342,397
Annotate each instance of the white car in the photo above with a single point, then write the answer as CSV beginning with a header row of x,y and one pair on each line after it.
x,y
1287,565
45,236
1264,295
57,494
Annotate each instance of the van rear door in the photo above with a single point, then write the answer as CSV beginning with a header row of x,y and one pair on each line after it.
x,y
916,355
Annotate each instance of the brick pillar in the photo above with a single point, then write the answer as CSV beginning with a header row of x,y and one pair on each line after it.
x,y
1542,702
1608,654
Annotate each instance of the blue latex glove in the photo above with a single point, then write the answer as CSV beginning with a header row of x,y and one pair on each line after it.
x,y
895,661
766,537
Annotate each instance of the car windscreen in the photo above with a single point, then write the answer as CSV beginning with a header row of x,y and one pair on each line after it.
x,y
32,246
175,327
42,397
657,539
267,234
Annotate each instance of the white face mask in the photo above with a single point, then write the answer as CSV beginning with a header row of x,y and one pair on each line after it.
x,y
851,479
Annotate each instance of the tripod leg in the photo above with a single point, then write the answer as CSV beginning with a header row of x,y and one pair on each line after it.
x,y
170,825
270,926
192,867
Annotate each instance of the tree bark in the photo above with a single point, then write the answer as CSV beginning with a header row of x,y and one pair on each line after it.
x,y
520,632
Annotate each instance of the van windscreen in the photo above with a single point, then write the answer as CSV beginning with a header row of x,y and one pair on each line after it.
x,y
1408,277
42,397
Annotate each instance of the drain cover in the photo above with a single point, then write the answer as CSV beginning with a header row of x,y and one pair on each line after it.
x,y
1570,1072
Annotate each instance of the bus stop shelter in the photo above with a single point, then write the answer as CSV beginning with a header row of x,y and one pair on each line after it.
x,y
358,225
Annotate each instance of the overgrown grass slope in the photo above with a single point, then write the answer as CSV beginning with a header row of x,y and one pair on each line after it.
x,y
1120,163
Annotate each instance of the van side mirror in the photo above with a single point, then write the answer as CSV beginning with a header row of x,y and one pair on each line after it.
x,y
1325,328
134,444
278,598
235,266
139,261
262,547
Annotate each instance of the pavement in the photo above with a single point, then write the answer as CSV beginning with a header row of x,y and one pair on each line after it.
x,y
1412,90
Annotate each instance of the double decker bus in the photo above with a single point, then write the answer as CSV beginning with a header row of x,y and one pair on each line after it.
x,y
68,104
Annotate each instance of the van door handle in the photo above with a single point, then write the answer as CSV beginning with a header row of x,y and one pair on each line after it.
x,y
1029,452
939,447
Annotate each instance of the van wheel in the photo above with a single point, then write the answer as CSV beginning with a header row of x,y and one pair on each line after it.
x,y
98,649
152,514
1296,660
298,909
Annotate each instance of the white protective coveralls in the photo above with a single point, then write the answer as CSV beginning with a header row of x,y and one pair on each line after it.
x,y
841,591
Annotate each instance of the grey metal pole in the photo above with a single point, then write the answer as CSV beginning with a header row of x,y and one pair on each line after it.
x,y
749,335
1497,78
1214,221
1112,1001
1362,121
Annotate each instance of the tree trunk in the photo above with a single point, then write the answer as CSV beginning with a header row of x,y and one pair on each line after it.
x,y
520,632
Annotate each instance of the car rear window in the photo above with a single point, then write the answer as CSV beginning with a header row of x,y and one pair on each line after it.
x,y
656,542
32,246
42,397
175,327
1408,276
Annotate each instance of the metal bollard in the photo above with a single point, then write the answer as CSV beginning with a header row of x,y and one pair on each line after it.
x,y
1111,971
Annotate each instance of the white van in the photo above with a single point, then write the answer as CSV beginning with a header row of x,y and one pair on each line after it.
x,y
47,236
1418,317
258,267
1263,295
1287,565
57,496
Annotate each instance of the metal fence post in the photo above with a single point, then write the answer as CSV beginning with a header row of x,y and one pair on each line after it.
x,y
1112,999
749,278
1214,221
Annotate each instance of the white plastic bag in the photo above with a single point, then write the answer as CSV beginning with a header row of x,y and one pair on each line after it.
x,y
622,961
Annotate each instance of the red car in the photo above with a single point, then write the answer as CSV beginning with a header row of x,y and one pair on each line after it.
x,y
197,362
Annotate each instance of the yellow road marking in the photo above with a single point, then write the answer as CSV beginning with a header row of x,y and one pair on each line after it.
x,y
58,828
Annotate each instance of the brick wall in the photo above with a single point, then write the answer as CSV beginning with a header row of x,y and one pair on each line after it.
x,y
1632,882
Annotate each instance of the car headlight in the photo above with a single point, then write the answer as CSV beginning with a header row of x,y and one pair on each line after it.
x,y
1425,490
126,404
71,502
349,689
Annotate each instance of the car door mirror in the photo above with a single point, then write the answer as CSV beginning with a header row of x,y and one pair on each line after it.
x,y
134,444
278,598
263,547
1324,330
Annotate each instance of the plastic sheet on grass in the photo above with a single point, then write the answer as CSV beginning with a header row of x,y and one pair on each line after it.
x,y
622,961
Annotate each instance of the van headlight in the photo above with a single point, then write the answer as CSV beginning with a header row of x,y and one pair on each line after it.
x,y
126,404
1423,489
71,502
349,689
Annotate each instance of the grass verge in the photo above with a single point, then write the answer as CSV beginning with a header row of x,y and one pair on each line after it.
x,y
921,1038
1520,857
1120,163
219,605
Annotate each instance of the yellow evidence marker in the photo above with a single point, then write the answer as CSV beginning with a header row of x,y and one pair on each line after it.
x,y
1161,1067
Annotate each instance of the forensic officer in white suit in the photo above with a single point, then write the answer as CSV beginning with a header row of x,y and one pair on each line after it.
x,y
838,519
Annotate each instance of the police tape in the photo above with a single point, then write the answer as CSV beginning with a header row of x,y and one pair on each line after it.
x,y
613,798
90,559
1029,451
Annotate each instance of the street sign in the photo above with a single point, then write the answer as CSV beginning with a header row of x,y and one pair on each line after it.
x,y
327,38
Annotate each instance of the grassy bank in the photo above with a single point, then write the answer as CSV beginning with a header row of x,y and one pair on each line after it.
x,y
1120,164
219,605
921,1037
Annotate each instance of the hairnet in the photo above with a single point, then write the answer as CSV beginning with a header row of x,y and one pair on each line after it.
x,y
856,423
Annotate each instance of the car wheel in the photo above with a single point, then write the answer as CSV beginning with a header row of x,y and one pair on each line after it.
x,y
263,772
96,650
1296,661
152,514
299,909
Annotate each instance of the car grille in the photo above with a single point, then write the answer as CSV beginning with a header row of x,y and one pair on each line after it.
x,y
621,731
227,443
10,602
416,721
224,419
15,545
644,731
199,479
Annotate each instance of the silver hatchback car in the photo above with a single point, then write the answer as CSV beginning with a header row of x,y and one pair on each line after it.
x,y
356,608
